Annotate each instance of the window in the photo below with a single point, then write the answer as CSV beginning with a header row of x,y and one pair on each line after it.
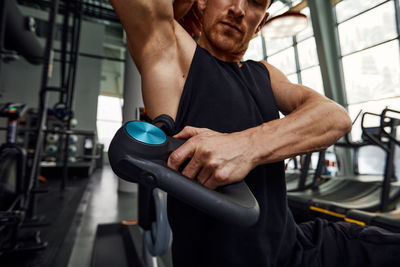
x,y
372,74
369,45
368,29
370,50
255,50
348,8
278,44
297,57
109,118
284,61
312,78
308,32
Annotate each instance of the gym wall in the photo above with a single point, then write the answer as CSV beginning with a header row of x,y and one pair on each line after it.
x,y
20,80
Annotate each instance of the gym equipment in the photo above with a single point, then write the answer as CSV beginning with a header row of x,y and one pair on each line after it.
x,y
72,150
302,180
389,221
19,36
138,153
69,55
14,201
339,195
52,138
51,150
72,139
73,122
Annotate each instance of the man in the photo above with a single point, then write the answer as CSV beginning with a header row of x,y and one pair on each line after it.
x,y
228,111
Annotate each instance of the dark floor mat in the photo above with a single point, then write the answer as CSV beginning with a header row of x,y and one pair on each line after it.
x,y
59,211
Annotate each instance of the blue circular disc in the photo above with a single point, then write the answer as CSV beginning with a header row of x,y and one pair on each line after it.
x,y
145,132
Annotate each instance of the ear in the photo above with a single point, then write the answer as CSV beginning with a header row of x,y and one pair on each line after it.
x,y
201,4
263,21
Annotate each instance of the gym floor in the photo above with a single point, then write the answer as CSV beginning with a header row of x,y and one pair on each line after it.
x,y
104,205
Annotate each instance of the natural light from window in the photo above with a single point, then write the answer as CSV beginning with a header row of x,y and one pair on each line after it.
x,y
109,118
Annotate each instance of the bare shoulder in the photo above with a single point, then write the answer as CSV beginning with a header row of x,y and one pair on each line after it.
x,y
275,73
287,94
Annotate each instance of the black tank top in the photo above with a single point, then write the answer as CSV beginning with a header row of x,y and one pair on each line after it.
x,y
227,98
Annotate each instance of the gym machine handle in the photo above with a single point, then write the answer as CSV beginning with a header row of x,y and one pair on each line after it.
x,y
138,153
390,121
373,134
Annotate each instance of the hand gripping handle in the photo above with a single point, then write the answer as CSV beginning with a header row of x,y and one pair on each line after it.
x,y
233,204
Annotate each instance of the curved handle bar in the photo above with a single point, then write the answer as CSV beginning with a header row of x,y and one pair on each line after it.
x,y
350,143
393,121
146,164
372,138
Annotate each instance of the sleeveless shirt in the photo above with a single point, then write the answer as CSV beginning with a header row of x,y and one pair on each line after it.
x,y
227,98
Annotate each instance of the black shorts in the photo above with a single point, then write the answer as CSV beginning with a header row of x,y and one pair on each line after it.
x,y
327,243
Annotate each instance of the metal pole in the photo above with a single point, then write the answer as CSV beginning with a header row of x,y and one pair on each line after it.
x,y
75,38
42,112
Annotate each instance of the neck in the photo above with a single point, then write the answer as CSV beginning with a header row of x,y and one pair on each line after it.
x,y
221,54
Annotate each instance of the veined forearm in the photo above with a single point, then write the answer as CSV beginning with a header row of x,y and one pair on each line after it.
x,y
311,127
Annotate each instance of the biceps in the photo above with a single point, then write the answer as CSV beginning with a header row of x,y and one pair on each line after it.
x,y
290,96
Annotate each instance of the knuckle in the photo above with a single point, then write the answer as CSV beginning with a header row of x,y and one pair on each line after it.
x,y
220,176
196,161
205,152
213,165
191,142
174,157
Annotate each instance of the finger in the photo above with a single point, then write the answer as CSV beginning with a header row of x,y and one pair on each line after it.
x,y
204,174
211,183
188,132
220,177
193,167
179,156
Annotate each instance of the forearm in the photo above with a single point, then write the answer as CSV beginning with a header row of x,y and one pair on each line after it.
x,y
313,126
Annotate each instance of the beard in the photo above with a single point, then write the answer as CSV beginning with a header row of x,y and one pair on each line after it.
x,y
225,38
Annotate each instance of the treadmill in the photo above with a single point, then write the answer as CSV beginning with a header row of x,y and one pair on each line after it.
x,y
300,180
388,220
337,196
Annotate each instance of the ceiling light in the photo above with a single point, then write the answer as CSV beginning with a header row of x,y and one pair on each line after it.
x,y
287,24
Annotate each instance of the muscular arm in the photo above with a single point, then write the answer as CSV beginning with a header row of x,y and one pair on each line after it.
x,y
312,123
160,48
149,26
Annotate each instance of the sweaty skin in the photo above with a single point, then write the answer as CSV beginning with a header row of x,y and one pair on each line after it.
x,y
163,50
